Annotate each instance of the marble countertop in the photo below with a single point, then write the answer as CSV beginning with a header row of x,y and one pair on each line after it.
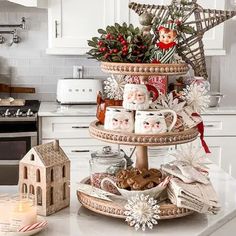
x,y
76,220
55,109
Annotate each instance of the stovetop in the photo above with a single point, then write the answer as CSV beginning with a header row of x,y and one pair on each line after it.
x,y
30,109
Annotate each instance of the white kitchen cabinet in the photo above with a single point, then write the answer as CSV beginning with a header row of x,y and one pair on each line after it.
x,y
220,135
31,3
213,39
222,153
72,22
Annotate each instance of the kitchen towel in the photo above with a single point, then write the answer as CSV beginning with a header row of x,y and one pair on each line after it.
x,y
198,197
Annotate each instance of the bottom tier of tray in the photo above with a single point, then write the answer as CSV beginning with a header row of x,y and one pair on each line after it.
x,y
115,208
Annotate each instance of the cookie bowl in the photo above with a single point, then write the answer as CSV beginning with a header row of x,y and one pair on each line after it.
x,y
152,192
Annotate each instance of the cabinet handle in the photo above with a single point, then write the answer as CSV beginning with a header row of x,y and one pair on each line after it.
x,y
80,127
208,126
56,31
80,151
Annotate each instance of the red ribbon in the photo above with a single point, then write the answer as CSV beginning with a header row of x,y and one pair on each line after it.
x,y
200,127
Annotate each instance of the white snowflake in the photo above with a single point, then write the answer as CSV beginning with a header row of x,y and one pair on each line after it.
x,y
193,155
141,212
196,97
114,87
169,102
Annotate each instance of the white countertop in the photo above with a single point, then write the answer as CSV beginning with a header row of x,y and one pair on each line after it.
x,y
76,220
55,109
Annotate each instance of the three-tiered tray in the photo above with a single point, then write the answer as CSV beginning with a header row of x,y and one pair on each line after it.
x,y
115,208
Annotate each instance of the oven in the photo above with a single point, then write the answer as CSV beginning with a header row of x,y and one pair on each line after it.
x,y
18,134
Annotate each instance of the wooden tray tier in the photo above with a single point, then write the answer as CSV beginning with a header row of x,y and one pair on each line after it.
x,y
97,131
144,69
116,207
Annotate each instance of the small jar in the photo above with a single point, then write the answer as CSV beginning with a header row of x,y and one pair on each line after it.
x,y
106,163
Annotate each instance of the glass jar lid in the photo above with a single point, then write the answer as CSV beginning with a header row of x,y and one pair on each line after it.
x,y
107,152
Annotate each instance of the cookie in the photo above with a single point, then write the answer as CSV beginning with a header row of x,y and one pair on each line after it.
x,y
122,177
134,179
146,179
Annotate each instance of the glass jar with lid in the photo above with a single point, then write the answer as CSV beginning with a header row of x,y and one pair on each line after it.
x,y
105,163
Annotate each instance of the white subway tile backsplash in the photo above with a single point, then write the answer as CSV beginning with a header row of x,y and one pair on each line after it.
x,y
27,63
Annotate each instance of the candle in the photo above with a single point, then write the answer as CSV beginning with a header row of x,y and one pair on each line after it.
x,y
22,213
4,213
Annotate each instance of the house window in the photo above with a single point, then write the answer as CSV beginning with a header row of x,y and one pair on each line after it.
x,y
51,196
64,191
24,188
31,189
63,172
52,175
32,157
39,196
38,177
25,173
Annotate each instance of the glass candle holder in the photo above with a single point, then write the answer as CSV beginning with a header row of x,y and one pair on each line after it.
x,y
4,213
23,211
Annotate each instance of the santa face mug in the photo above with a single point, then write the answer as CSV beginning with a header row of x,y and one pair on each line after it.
x,y
119,119
153,121
137,97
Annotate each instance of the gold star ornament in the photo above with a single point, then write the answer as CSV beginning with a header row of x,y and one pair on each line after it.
x,y
192,20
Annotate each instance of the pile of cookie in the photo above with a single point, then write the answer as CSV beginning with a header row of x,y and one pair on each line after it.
x,y
134,179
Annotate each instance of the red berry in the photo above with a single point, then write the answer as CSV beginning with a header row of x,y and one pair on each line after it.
x,y
108,36
102,49
115,50
100,43
123,42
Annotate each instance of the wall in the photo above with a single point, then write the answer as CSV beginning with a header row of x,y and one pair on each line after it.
x,y
27,64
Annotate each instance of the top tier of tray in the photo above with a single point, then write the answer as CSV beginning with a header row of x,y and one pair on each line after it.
x,y
144,69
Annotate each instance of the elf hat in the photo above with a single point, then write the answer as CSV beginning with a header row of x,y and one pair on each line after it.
x,y
171,25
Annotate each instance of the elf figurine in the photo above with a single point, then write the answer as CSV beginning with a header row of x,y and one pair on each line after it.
x,y
166,47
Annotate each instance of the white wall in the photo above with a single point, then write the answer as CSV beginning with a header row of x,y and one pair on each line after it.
x,y
27,64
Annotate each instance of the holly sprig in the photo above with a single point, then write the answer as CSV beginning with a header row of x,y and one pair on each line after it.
x,y
121,43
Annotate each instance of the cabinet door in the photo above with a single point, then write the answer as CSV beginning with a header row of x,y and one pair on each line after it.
x,y
73,22
222,153
213,39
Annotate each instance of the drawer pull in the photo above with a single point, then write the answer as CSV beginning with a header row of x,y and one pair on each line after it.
x,y
209,126
80,151
80,127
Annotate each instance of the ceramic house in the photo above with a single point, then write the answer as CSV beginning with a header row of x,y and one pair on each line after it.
x,y
45,172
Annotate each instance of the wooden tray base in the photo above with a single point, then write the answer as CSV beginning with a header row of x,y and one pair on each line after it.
x,y
116,207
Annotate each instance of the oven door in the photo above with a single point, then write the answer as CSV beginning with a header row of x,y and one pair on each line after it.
x,y
13,147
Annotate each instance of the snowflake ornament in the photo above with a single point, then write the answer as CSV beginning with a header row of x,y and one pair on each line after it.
x,y
168,102
192,155
142,212
196,97
114,87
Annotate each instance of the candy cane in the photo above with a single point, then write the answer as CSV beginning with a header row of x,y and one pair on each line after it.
x,y
165,182
34,226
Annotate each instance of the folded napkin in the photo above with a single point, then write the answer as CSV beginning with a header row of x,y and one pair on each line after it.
x,y
198,197
185,172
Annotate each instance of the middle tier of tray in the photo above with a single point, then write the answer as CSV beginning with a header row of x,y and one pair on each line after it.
x,y
97,131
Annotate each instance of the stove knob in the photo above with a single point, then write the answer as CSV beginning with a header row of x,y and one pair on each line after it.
x,y
18,113
29,113
7,113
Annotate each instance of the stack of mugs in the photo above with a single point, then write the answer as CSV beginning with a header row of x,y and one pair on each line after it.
x,y
135,115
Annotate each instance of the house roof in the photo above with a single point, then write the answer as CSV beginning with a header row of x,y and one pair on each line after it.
x,y
50,155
